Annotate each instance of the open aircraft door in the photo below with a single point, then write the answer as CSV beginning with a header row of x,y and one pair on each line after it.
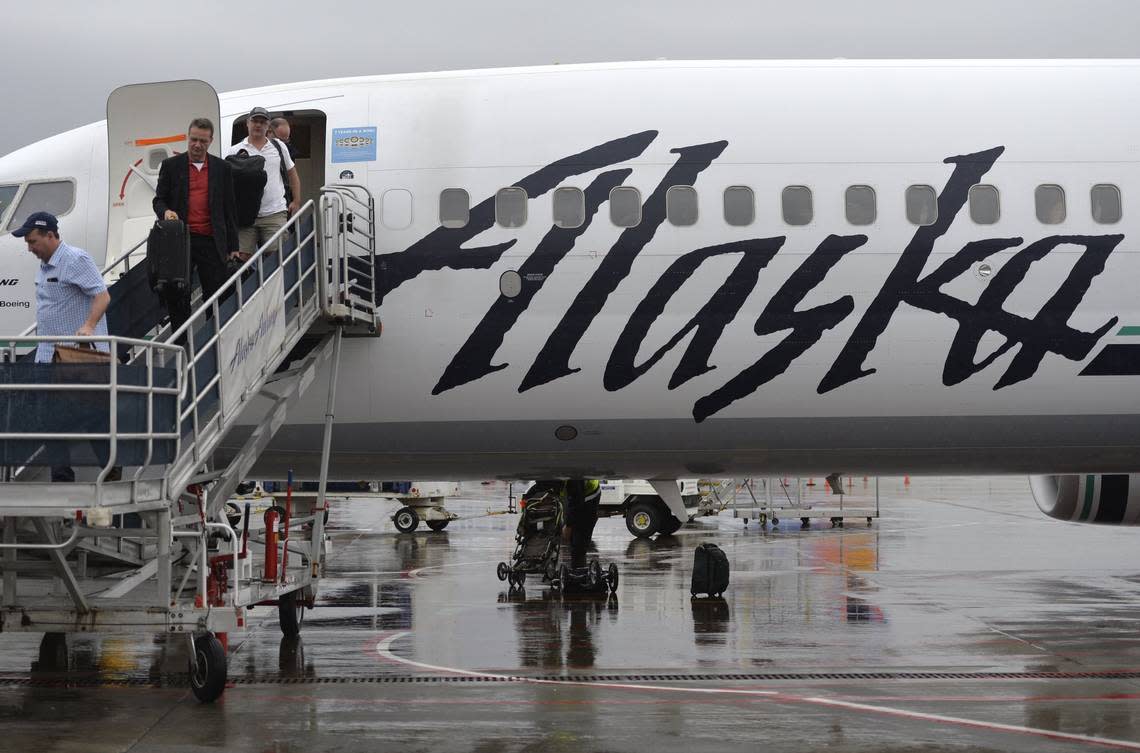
x,y
146,123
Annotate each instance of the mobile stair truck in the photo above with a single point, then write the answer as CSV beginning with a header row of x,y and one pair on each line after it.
x,y
153,550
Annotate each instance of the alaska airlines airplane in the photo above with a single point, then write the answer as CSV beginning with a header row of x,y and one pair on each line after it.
x,y
656,270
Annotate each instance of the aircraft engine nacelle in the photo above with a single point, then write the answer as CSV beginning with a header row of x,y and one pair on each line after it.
x,y
1107,499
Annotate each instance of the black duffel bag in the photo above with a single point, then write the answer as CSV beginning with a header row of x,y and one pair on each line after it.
x,y
249,183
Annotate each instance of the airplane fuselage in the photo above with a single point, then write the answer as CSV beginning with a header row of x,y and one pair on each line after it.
x,y
879,266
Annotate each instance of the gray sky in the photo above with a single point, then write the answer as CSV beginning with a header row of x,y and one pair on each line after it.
x,y
72,53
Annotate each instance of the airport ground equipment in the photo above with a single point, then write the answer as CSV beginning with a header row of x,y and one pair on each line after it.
x,y
155,550
767,500
421,501
645,512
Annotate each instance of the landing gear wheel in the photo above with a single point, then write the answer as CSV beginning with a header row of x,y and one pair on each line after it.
x,y
670,525
406,520
612,577
289,613
437,525
643,519
502,571
208,670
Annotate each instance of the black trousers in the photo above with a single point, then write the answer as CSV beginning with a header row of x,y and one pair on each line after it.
x,y
205,258
581,516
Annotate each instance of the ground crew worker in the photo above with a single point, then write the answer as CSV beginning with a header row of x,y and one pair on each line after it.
x,y
580,500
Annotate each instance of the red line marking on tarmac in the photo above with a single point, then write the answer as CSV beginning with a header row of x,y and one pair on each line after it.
x,y
384,649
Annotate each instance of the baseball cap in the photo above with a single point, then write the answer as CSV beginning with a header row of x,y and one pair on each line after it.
x,y
44,221
259,112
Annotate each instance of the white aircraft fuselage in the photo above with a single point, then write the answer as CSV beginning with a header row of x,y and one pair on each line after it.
x,y
674,347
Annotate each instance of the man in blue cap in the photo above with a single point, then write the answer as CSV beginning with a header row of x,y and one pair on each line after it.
x,y
71,299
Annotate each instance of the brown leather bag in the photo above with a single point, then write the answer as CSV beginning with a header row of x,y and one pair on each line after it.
x,y
81,353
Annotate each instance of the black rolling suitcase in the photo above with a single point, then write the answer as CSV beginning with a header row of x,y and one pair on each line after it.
x,y
710,570
168,256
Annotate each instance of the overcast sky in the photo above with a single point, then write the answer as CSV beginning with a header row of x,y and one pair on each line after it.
x,y
63,57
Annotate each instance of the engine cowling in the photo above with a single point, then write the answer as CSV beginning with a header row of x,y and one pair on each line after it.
x,y
1108,499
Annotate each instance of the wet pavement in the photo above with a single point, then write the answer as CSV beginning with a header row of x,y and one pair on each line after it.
x,y
961,620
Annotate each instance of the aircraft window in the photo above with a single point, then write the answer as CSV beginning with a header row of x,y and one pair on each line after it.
x,y
1106,207
681,205
625,206
396,208
739,205
921,205
454,207
860,205
569,207
985,206
1050,201
797,205
57,197
510,207
155,157
7,194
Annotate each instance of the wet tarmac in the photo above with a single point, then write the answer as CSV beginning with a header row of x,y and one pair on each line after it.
x,y
961,620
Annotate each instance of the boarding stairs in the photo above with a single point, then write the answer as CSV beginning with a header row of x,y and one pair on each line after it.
x,y
185,414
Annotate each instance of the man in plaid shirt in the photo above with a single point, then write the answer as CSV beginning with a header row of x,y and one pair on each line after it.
x,y
71,297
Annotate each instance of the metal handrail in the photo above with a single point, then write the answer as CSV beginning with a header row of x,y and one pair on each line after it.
x,y
113,388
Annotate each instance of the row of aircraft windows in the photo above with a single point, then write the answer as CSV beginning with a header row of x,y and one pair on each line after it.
x,y
860,204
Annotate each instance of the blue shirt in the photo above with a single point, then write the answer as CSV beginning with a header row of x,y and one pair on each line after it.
x,y
65,286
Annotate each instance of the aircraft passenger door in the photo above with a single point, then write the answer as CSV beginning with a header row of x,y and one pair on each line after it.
x,y
146,123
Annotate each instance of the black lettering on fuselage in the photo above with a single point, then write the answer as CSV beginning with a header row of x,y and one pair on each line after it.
x,y
553,360
807,327
709,322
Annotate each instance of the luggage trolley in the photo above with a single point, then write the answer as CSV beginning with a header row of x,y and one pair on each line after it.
x,y
141,541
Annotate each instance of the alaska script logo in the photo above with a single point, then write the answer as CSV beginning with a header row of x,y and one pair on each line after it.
x,y
1046,332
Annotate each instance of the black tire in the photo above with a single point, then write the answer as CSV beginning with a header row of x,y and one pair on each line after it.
x,y
502,571
612,577
775,522
437,525
406,520
805,522
520,579
289,612
53,653
670,525
208,682
643,518
596,574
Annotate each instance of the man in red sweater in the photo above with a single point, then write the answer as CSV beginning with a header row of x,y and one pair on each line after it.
x,y
198,188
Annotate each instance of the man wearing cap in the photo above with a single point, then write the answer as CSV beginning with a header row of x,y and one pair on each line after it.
x,y
279,168
197,188
71,297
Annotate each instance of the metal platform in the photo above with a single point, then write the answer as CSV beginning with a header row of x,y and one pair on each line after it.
x,y
768,500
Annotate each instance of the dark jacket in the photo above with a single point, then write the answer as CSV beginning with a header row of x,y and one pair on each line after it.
x,y
173,192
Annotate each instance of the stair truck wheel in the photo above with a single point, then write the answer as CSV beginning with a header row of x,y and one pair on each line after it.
x,y
406,520
289,611
208,669
643,518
